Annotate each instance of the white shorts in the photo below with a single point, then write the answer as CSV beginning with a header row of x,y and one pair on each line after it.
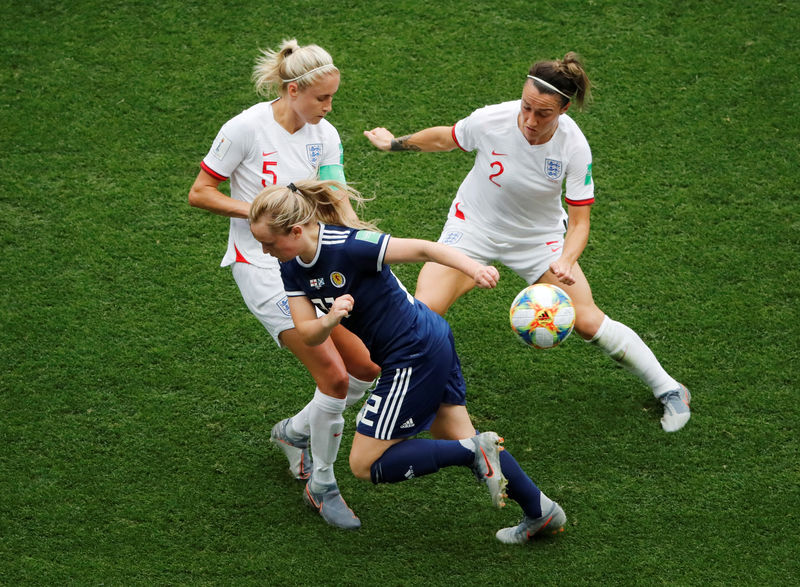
x,y
527,258
262,291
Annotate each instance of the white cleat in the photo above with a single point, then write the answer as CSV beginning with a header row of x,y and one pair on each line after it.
x,y
676,409
552,522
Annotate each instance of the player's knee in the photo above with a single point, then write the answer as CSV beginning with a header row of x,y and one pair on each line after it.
x,y
333,382
588,320
435,302
365,372
361,469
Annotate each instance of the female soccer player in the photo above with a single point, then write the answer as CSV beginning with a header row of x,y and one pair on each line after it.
x,y
508,209
276,142
340,266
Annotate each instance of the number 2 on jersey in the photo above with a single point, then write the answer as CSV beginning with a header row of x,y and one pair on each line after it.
x,y
493,165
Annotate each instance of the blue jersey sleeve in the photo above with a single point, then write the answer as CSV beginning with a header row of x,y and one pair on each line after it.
x,y
291,283
367,249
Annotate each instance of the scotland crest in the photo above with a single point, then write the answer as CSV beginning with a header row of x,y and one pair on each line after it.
x,y
552,169
314,153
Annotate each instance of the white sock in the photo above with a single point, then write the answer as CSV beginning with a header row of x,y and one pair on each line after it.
x,y
327,423
299,425
544,502
356,389
624,346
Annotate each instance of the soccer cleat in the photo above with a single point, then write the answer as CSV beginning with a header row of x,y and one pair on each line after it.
x,y
331,506
296,451
676,409
487,465
550,523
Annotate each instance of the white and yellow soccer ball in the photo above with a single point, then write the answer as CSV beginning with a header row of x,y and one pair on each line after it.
x,y
542,315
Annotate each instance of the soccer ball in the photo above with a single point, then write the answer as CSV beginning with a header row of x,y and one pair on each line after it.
x,y
542,315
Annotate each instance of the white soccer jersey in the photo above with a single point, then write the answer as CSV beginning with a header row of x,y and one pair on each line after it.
x,y
514,188
254,151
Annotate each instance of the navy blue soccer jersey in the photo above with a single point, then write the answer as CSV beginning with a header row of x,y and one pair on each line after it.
x,y
385,316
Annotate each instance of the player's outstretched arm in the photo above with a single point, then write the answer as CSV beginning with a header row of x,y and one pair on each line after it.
x,y
436,138
405,250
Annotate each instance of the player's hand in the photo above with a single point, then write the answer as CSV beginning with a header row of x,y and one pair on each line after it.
x,y
380,137
563,271
486,276
341,308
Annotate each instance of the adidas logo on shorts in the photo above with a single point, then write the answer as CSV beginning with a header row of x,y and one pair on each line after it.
x,y
407,424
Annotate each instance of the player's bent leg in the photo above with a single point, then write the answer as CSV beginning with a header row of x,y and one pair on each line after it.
x,y
624,346
365,451
438,287
588,317
322,361
452,423
354,354
360,368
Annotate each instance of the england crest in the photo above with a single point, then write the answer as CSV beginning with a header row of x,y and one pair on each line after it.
x,y
552,169
314,153
283,306
451,238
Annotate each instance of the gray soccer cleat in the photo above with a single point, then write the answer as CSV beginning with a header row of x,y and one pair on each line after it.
x,y
487,465
331,506
551,522
295,450
676,409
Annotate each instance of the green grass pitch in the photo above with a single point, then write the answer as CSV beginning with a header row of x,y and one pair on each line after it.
x,y
137,392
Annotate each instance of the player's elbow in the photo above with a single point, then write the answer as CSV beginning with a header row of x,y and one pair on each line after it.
x,y
195,197
311,336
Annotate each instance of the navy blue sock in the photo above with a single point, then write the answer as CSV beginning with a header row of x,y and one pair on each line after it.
x,y
520,487
417,457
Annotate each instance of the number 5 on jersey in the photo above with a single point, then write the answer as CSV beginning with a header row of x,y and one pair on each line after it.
x,y
268,172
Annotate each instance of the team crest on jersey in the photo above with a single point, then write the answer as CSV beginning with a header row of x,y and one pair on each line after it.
x,y
451,238
316,283
314,153
283,306
337,279
552,168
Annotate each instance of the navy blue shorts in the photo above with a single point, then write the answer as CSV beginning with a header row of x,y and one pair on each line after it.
x,y
410,391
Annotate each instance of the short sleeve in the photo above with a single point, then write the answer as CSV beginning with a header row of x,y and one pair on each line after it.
x,y
579,183
464,133
367,249
229,149
291,285
332,152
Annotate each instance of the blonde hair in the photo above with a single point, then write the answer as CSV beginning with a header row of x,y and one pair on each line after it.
x,y
303,202
567,76
291,63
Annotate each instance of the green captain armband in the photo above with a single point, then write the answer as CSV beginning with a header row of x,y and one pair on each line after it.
x,y
334,172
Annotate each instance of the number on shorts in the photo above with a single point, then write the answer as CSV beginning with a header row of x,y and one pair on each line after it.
x,y
372,405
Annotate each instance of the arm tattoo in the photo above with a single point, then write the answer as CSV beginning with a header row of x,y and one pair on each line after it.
x,y
402,144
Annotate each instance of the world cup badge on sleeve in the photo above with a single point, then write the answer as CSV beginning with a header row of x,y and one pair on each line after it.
x,y
552,169
314,153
